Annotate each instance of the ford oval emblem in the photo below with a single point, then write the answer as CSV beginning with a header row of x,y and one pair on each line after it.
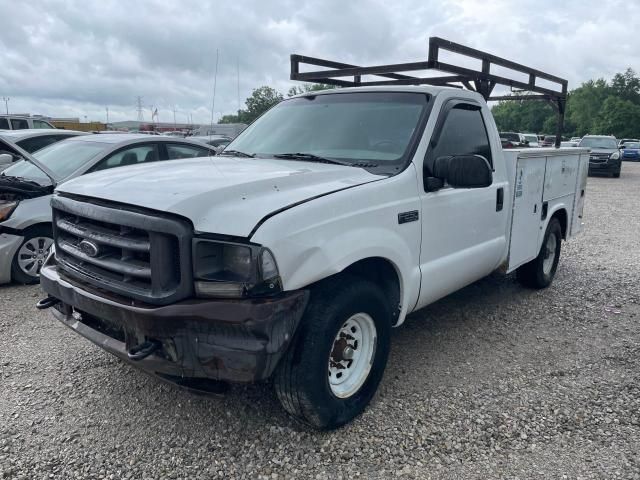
x,y
89,248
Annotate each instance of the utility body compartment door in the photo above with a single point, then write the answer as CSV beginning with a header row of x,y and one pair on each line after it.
x,y
544,181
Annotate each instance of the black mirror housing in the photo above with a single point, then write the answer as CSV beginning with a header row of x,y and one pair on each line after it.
x,y
464,171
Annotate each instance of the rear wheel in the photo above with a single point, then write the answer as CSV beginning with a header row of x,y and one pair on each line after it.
x,y
335,365
28,260
539,272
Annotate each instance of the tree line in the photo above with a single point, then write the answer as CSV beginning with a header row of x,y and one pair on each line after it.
x,y
596,107
263,98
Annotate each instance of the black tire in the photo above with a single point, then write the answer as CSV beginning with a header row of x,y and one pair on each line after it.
x,y
17,273
616,174
532,274
302,379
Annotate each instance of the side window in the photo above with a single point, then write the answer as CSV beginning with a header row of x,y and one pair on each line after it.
x,y
175,151
463,133
19,124
36,143
129,156
41,124
4,124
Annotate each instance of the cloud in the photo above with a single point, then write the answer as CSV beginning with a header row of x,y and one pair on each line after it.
x,y
75,58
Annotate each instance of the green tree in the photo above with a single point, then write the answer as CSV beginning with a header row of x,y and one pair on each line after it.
x,y
619,117
306,87
260,100
627,86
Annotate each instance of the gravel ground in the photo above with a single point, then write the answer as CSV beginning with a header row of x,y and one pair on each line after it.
x,y
494,381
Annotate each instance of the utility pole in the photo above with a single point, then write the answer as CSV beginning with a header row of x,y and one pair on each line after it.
x,y
107,115
6,104
213,100
238,79
139,108
175,125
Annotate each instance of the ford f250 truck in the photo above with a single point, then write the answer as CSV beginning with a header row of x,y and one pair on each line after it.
x,y
292,254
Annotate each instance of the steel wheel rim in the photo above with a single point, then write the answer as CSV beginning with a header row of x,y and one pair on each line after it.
x,y
352,354
550,254
32,255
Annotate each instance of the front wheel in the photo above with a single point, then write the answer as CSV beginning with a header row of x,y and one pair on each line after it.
x,y
539,272
28,260
334,367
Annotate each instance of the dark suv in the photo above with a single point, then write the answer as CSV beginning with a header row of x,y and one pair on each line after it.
x,y
604,156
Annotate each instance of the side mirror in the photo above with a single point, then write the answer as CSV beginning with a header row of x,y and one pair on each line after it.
x,y
622,147
464,171
6,158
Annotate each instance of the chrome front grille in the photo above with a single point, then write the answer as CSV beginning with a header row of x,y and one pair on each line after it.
x,y
136,254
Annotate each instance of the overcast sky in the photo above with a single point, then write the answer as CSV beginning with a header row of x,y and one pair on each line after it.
x,y
75,58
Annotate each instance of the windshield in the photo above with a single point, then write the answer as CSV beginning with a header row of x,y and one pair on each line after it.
x,y
62,158
595,142
350,127
631,144
531,138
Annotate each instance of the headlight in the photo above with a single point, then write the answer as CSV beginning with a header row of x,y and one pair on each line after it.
x,y
233,270
615,155
6,209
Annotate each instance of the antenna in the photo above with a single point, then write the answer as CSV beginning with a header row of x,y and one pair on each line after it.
x,y
139,109
213,100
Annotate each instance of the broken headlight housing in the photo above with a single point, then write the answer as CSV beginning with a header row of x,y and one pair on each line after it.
x,y
6,209
233,270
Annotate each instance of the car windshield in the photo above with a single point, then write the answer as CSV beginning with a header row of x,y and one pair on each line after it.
x,y
596,142
531,138
372,127
631,145
62,158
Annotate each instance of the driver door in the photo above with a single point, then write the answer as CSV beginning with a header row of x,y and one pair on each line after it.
x,y
463,229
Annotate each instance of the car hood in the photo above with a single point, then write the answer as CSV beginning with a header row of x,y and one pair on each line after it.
x,y
225,195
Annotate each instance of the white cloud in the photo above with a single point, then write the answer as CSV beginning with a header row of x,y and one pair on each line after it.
x,y
75,58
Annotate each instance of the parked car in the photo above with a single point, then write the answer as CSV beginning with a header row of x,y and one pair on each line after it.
x,y
26,187
531,139
293,252
20,122
517,140
575,139
568,144
631,151
627,140
548,141
30,141
218,141
605,156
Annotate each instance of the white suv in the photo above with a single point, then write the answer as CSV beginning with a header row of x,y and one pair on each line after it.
x,y
20,122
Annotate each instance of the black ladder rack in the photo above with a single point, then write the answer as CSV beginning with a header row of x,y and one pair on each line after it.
x,y
481,81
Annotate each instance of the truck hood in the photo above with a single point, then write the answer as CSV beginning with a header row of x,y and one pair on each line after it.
x,y
225,195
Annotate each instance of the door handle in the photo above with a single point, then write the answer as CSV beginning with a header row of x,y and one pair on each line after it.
x,y
499,199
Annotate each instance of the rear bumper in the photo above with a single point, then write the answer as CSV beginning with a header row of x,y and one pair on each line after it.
x,y
9,245
230,340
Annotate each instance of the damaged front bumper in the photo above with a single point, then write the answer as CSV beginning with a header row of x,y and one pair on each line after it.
x,y
229,340
9,245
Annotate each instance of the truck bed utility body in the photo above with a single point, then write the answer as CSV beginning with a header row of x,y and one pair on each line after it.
x,y
323,224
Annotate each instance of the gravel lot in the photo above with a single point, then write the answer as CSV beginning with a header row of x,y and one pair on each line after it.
x,y
494,381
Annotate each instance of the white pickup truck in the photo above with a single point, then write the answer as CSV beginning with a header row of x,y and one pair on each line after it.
x,y
292,254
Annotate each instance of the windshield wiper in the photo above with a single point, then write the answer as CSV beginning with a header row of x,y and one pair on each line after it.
x,y
310,157
236,153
